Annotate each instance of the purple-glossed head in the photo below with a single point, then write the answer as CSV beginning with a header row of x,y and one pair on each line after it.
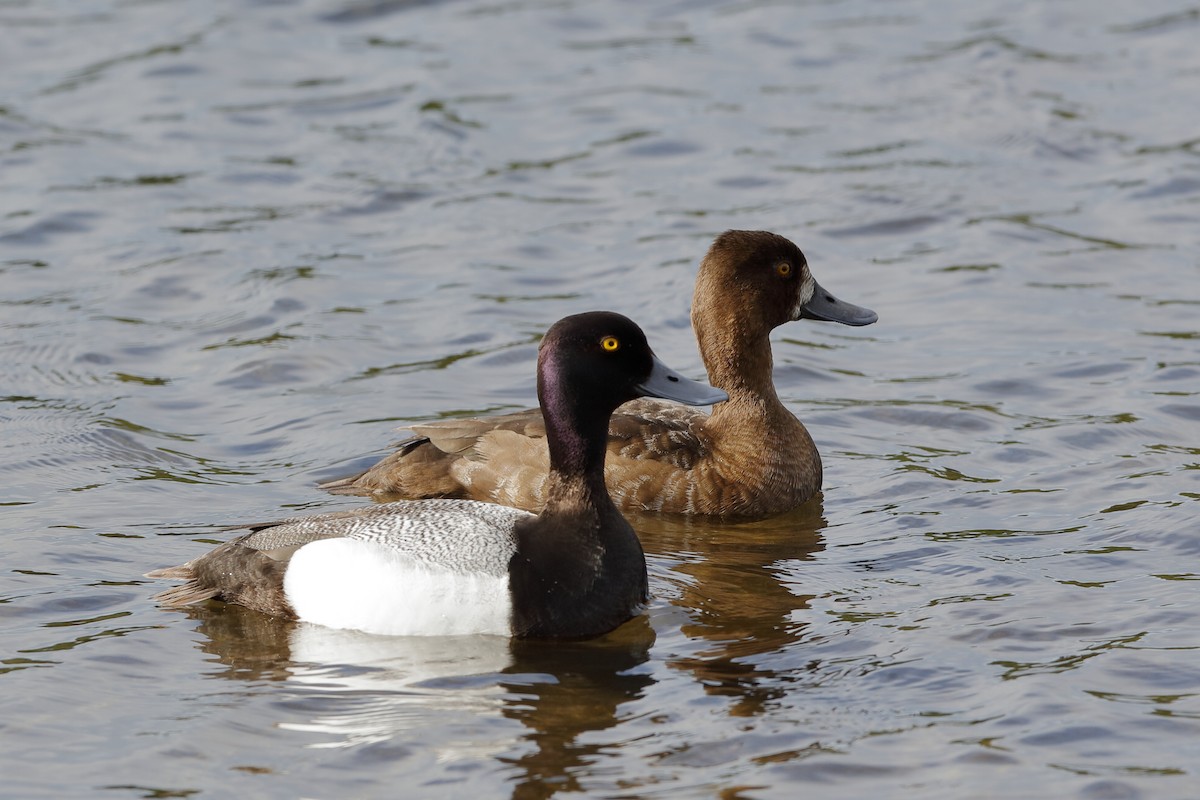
x,y
591,363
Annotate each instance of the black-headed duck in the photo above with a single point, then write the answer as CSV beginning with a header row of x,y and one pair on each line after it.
x,y
750,458
439,567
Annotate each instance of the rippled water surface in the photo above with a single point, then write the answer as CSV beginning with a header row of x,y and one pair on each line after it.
x,y
241,242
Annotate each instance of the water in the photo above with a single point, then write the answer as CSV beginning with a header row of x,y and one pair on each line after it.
x,y
242,242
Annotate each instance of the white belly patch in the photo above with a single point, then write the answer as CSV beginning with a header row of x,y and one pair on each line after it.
x,y
366,586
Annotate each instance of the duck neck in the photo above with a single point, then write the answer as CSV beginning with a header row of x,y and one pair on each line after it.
x,y
577,436
738,359
577,470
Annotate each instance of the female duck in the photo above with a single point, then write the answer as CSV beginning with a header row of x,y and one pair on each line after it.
x,y
461,566
750,458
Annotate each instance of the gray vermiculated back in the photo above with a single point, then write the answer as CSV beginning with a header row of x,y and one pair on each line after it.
x,y
460,535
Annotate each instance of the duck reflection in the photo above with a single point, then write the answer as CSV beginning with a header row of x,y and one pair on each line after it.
x,y
385,688
360,688
247,645
363,689
561,691
741,614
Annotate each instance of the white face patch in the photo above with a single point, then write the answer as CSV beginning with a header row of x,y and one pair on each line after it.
x,y
807,288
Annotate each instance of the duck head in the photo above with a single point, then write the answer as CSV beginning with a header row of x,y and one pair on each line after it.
x,y
757,280
598,360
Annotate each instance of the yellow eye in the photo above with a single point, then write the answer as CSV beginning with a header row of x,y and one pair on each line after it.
x,y
610,343
783,269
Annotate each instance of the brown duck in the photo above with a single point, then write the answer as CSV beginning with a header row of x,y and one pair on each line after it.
x,y
750,458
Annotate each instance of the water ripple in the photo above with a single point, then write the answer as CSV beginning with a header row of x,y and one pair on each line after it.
x,y
242,245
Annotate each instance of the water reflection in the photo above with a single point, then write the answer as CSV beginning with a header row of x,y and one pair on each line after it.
x,y
358,689
247,645
740,613
363,689
563,691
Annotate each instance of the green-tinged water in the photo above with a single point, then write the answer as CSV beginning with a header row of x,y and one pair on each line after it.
x,y
241,242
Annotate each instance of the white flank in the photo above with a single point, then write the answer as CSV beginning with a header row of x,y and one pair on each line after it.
x,y
366,586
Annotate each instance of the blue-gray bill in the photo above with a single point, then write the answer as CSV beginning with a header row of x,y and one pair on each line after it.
x,y
668,384
824,306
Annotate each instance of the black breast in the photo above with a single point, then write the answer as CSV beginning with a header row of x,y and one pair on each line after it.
x,y
575,574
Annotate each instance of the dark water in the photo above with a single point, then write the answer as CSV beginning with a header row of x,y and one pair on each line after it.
x,y
242,242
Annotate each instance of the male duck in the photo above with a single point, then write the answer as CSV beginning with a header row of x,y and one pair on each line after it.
x,y
462,566
750,458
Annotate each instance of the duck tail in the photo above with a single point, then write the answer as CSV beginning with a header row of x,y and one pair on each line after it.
x,y
189,593
412,471
342,485
183,572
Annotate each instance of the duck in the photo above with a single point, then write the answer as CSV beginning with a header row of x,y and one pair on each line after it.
x,y
750,458
458,566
